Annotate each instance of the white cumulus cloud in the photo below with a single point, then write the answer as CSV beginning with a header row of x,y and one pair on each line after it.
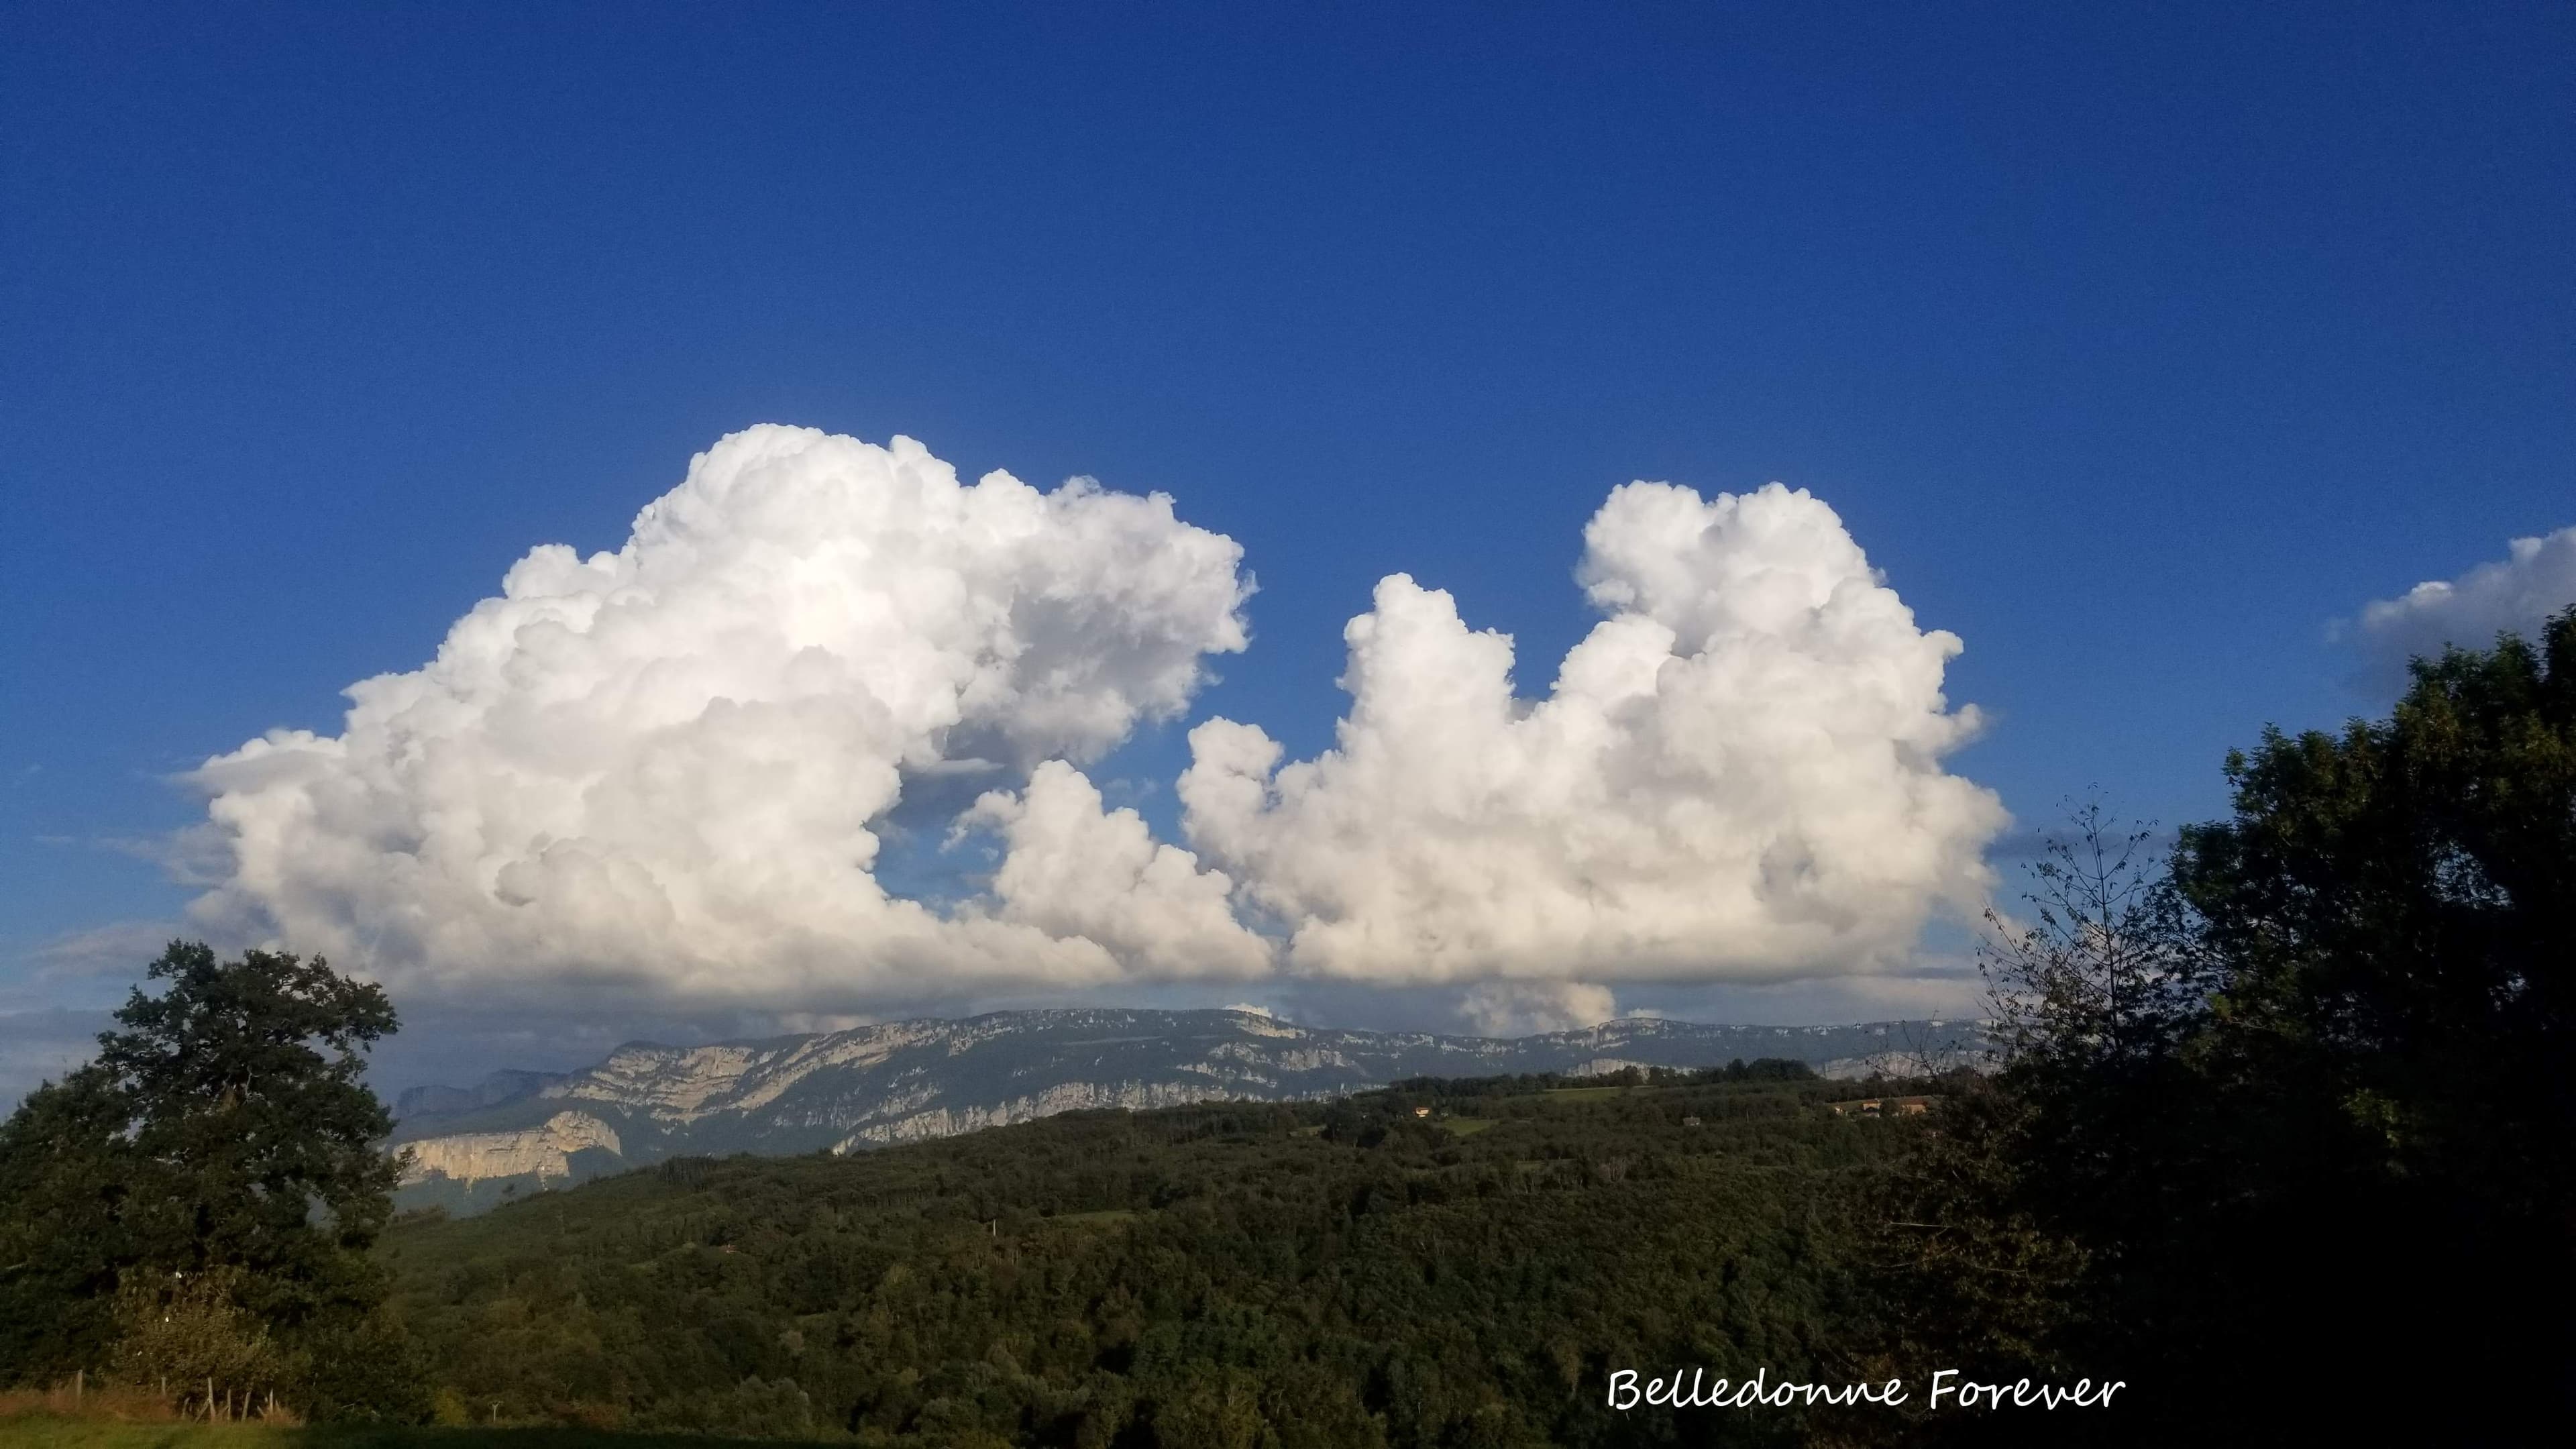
x,y
667,775
2535,579
1075,869
668,767
1736,776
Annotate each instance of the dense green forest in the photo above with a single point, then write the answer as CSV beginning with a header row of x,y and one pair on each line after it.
x,y
1307,1275
2277,1139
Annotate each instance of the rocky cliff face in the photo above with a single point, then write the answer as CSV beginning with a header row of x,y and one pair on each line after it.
x,y
544,1151
906,1081
1063,1097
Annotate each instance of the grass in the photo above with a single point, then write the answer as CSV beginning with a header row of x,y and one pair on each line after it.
x,y
62,1431
107,1417
1581,1094
1468,1126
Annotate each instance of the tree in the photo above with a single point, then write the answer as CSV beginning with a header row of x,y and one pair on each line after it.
x,y
2395,911
191,1331
225,1129
2022,1236
2397,908
2296,1105
257,1150
2107,973
66,1177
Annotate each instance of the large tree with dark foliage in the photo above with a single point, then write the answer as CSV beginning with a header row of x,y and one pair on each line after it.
x,y
2285,1127
2397,907
2395,910
224,1129
66,1177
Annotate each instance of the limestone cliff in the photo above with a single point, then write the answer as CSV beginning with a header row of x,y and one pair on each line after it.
x,y
544,1150
1063,1097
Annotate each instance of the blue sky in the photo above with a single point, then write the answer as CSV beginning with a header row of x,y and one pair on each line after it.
x,y
2137,344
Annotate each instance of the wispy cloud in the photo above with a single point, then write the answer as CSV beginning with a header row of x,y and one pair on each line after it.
x,y
120,949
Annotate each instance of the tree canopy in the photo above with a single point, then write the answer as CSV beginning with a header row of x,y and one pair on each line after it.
x,y
225,1129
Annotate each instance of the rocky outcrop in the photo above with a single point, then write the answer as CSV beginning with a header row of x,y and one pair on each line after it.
x,y
542,1151
1067,1097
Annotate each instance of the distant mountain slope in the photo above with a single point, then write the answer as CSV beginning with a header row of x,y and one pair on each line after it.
x,y
906,1081
492,1091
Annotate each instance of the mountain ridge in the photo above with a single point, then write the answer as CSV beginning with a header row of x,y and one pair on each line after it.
x,y
904,1081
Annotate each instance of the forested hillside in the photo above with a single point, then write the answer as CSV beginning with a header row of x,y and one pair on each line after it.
x,y
1345,1275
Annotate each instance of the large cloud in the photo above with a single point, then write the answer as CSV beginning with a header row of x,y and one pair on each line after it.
x,y
2535,579
670,766
1737,774
670,771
